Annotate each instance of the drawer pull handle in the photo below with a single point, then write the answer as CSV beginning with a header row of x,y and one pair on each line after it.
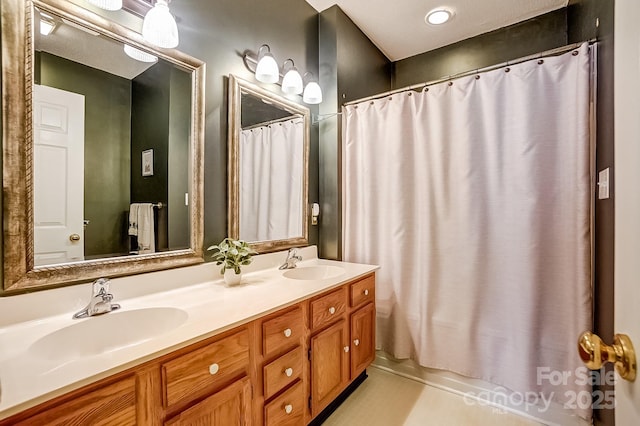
x,y
356,342
213,369
288,372
346,348
287,332
366,292
288,408
332,310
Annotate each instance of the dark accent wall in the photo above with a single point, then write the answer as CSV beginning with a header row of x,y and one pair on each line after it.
x,y
219,33
535,35
351,67
106,148
150,97
582,16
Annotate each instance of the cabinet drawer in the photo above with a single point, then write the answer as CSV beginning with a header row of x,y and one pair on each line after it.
x,y
189,375
282,371
328,308
287,409
114,404
285,330
363,291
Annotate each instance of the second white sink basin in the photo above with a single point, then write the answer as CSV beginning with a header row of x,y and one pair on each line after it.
x,y
321,272
107,332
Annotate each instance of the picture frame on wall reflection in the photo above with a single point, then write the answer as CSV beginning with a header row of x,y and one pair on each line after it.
x,y
147,162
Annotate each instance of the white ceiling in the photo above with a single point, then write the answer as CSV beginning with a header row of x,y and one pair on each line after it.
x,y
397,27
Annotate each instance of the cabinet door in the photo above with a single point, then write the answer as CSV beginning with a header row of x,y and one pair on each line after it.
x,y
363,334
329,365
229,407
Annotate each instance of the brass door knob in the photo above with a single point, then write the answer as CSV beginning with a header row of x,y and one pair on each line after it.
x,y
74,237
595,353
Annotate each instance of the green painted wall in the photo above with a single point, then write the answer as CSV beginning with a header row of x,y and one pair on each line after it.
x,y
107,151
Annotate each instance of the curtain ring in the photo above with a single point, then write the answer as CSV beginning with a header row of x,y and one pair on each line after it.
x,y
410,93
540,62
389,98
426,89
507,69
574,53
371,103
355,107
451,83
477,77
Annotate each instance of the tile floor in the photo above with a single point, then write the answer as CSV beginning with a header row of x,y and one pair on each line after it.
x,y
386,399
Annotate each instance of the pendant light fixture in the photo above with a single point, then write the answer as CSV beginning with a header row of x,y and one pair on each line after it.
x,y
159,27
139,55
107,4
292,81
267,70
312,91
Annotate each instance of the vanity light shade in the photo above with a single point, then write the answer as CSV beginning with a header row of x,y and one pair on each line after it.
x,y
107,4
159,27
292,82
312,93
46,27
139,55
267,70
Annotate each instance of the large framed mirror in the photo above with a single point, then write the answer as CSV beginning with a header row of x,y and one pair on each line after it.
x,y
268,168
103,139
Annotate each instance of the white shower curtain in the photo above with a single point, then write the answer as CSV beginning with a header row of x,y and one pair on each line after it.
x,y
271,180
474,198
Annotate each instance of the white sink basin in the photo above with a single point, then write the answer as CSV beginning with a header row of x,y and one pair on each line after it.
x,y
105,333
321,272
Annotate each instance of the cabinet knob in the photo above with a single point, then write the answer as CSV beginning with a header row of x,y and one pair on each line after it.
x,y
356,342
287,332
213,369
288,408
366,292
288,372
346,348
332,310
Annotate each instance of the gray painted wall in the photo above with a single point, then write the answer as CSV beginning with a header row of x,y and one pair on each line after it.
x,y
351,67
219,33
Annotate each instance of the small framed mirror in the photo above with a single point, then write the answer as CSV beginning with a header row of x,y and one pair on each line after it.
x,y
268,168
103,141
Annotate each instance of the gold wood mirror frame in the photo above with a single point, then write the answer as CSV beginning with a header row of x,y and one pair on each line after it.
x,y
19,273
238,88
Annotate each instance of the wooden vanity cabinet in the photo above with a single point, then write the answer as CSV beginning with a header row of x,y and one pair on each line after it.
x,y
343,350
281,369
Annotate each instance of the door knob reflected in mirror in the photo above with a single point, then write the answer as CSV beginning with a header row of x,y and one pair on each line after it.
x,y
74,237
595,353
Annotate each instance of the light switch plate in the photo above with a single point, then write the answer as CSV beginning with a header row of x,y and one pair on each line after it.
x,y
603,184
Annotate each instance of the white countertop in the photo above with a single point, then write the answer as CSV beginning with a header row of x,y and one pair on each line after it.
x,y
27,378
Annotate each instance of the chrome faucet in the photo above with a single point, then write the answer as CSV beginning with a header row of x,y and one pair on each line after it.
x,y
291,260
100,302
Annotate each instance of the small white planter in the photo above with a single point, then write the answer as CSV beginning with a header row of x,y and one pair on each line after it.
x,y
231,278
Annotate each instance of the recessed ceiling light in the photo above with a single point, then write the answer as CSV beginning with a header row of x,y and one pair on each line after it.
x,y
438,16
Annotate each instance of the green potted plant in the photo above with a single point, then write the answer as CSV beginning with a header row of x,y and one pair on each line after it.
x,y
232,255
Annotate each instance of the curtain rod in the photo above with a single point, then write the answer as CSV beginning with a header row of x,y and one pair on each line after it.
x,y
270,122
546,53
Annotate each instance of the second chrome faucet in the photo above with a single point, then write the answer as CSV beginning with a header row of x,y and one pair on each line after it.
x,y
291,260
100,302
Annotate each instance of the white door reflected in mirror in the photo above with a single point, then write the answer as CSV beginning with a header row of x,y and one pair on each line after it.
x,y
58,155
